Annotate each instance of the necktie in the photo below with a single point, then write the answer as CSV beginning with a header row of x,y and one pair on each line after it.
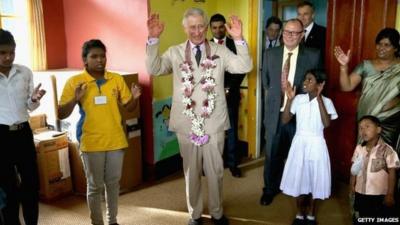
x,y
303,40
285,73
270,44
221,41
198,54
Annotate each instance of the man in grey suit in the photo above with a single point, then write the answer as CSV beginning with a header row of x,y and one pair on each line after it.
x,y
199,111
279,136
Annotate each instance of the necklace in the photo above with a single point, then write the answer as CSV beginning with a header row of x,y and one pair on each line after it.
x,y
207,81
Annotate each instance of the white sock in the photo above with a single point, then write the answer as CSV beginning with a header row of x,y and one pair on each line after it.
x,y
299,216
309,217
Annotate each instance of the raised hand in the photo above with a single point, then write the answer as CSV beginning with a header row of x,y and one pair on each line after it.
x,y
341,57
136,90
154,26
234,28
80,91
37,93
290,91
320,88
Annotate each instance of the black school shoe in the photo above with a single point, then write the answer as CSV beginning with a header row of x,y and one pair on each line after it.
x,y
298,221
198,221
221,221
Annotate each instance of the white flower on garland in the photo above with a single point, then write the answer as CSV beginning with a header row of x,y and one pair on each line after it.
x,y
198,135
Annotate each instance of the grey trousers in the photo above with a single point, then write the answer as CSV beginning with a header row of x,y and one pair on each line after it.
x,y
196,159
103,172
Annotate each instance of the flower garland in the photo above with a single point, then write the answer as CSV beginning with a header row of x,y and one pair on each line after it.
x,y
197,134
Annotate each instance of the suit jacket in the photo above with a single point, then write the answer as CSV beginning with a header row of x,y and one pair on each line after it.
x,y
170,61
233,81
308,58
316,38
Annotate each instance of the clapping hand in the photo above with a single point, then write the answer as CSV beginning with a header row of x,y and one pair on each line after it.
x,y
290,91
37,93
136,90
341,57
80,91
234,28
154,26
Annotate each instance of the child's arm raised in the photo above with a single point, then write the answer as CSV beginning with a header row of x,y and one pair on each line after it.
x,y
322,109
389,197
290,93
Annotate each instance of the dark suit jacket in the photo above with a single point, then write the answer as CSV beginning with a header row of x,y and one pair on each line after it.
x,y
316,38
308,58
232,81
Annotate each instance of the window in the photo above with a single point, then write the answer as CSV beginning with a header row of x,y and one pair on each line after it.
x,y
13,17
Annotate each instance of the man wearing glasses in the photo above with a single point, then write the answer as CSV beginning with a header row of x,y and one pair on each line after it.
x,y
283,65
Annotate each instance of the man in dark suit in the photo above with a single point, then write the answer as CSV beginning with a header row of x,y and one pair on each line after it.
x,y
278,135
232,88
314,36
273,32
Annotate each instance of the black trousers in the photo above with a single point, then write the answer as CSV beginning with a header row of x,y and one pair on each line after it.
x,y
372,210
19,175
275,155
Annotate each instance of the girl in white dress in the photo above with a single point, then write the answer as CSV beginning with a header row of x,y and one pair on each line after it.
x,y
307,173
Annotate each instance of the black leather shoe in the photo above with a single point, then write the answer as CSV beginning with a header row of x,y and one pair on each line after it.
x,y
311,222
198,221
297,221
221,221
266,199
235,171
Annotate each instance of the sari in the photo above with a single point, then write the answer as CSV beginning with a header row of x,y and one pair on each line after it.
x,y
378,88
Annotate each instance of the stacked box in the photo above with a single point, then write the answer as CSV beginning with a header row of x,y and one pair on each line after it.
x,y
53,165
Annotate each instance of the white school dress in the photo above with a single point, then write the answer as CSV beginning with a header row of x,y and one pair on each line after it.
x,y
307,169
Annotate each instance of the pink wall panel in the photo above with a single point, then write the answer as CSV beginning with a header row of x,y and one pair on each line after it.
x,y
53,13
121,25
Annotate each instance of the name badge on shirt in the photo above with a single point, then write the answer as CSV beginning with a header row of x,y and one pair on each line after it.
x,y
100,100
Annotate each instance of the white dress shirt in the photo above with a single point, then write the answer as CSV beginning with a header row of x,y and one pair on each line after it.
x,y
292,70
15,97
274,43
308,30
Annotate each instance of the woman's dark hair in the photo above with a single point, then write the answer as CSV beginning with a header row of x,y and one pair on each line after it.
x,y
319,75
393,36
93,43
373,119
6,38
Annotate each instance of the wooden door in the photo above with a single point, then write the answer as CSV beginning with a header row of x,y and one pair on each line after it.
x,y
351,24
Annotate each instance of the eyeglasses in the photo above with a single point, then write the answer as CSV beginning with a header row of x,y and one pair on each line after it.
x,y
292,33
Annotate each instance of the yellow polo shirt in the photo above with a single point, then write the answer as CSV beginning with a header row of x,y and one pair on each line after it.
x,y
100,126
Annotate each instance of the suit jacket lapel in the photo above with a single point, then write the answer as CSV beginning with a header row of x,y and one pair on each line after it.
x,y
299,68
230,44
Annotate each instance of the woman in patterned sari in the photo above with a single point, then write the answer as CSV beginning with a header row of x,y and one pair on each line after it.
x,y
380,79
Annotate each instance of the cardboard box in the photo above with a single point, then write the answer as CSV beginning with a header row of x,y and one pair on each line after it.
x,y
53,165
38,121
132,167
77,170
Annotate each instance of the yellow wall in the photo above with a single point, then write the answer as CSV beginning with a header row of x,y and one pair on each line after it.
x,y
171,13
398,16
